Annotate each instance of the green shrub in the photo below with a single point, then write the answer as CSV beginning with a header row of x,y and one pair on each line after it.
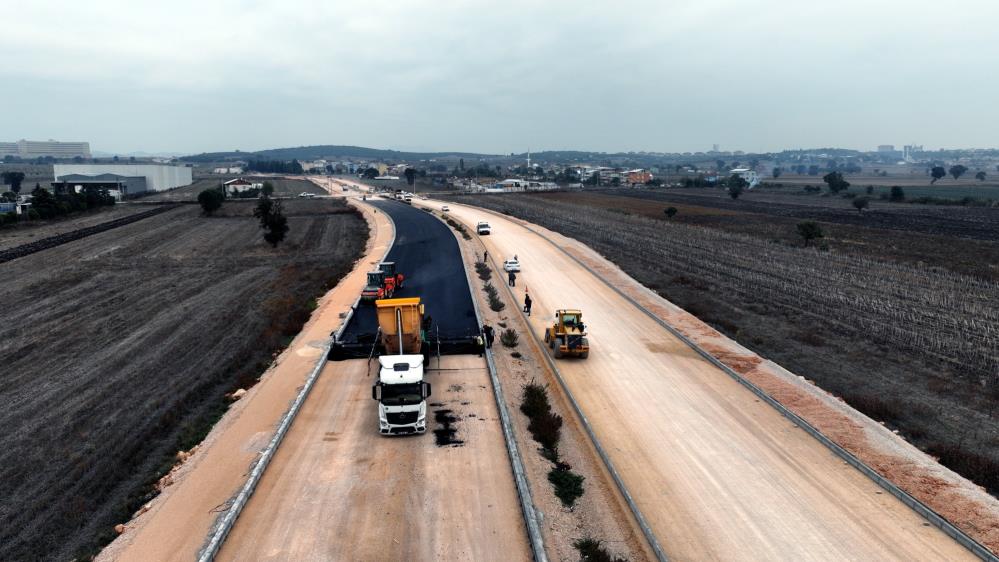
x,y
509,338
535,400
592,550
484,271
546,429
568,485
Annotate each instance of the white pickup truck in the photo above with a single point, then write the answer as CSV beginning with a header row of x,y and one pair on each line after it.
x,y
483,228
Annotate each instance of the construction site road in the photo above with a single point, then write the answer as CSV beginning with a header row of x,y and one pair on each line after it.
x,y
337,490
426,252
718,474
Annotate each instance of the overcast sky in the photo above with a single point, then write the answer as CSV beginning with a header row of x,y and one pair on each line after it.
x,y
503,76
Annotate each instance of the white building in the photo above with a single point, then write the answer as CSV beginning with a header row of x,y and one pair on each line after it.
x,y
525,185
41,149
751,177
158,177
235,170
239,185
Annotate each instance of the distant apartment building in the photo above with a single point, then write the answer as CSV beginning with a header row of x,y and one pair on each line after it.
x,y
157,177
886,148
909,152
44,149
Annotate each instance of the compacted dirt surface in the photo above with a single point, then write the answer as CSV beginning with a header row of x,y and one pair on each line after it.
x,y
337,490
116,350
717,473
601,512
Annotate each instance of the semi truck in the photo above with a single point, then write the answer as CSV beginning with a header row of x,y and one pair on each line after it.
x,y
400,390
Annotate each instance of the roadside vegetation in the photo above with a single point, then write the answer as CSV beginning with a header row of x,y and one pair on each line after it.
x,y
46,205
592,550
459,227
909,344
546,429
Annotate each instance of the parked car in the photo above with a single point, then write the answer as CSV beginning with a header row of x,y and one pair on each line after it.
x,y
306,194
512,265
445,208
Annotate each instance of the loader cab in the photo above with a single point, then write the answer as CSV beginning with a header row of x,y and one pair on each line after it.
x,y
567,335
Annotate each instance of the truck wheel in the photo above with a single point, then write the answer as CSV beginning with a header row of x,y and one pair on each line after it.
x,y
557,349
584,354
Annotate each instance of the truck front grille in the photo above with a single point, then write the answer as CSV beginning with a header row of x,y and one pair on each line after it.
x,y
402,418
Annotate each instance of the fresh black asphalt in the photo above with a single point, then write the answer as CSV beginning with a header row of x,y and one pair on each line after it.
x,y
427,253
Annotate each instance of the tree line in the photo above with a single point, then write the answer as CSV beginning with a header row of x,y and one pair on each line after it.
x,y
275,166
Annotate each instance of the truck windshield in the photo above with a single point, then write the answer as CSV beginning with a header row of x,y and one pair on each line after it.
x,y
401,394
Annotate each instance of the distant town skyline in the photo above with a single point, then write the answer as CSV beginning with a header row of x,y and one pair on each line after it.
x,y
498,77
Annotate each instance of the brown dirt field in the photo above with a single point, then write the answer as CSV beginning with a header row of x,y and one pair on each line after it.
x,y
970,257
32,231
118,348
174,525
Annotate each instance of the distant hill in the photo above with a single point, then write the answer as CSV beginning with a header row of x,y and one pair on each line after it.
x,y
329,152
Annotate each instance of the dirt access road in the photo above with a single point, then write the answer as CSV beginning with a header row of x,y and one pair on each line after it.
x,y
337,490
717,473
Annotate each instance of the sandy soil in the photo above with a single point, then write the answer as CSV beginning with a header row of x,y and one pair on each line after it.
x,y
178,521
717,473
337,490
601,512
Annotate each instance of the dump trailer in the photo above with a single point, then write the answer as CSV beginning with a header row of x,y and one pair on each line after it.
x,y
400,389
567,336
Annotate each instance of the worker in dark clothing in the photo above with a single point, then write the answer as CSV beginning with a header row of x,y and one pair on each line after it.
x,y
513,279
485,256
527,304
487,330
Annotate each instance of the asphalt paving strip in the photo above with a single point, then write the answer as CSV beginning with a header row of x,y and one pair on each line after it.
x,y
427,254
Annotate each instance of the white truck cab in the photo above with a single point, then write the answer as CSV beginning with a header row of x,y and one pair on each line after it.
x,y
483,228
401,394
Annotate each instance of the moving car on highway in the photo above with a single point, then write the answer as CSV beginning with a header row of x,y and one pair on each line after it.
x,y
512,265
482,228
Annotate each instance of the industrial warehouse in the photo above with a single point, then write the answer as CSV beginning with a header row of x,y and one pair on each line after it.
x,y
121,180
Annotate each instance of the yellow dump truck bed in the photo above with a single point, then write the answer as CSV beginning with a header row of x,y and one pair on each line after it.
x,y
411,320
